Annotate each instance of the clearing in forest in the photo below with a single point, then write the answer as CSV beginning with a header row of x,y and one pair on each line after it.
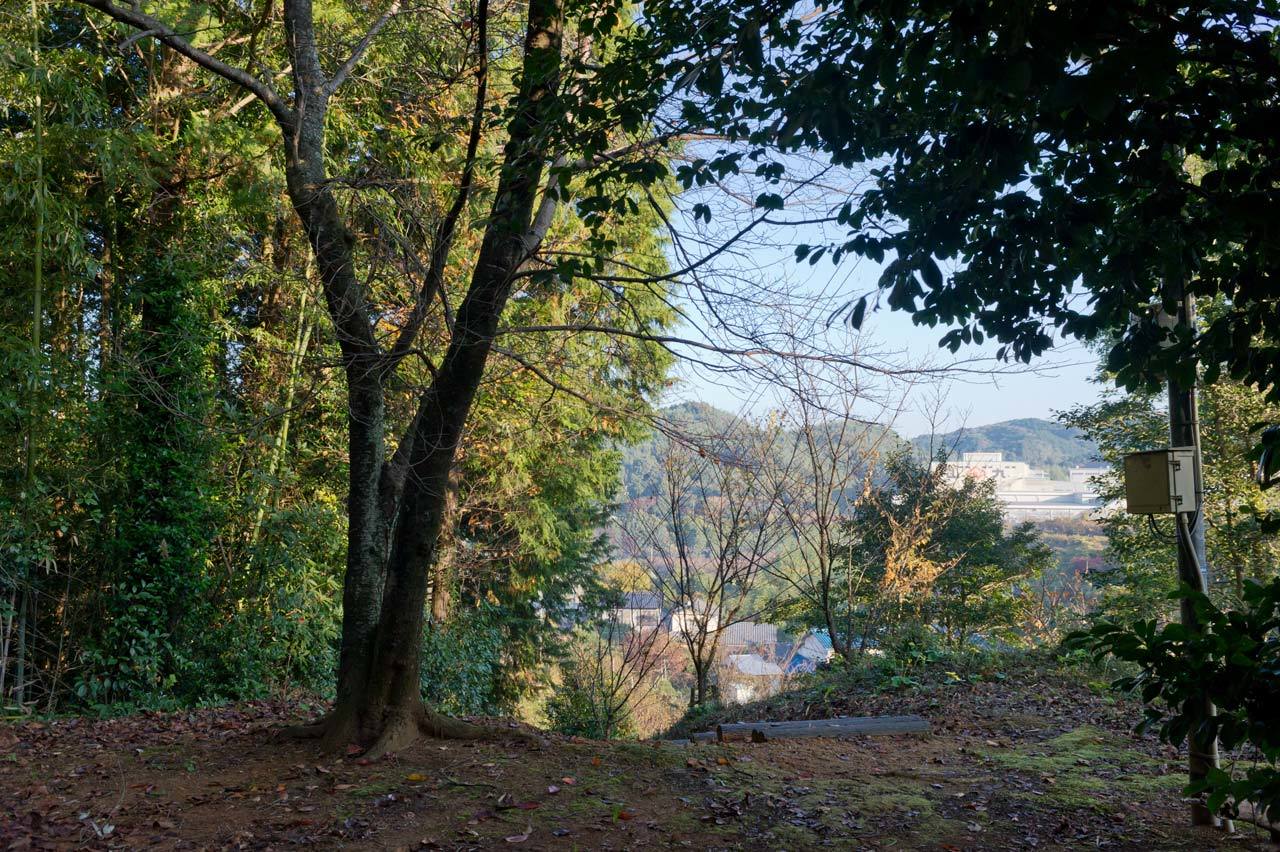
x,y
1033,762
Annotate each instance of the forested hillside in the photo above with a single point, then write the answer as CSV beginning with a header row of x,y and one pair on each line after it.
x,y
1044,444
705,426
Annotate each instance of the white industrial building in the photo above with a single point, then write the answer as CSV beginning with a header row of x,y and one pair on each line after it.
x,y
1029,494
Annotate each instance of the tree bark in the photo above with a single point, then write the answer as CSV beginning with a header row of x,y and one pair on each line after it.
x,y
331,245
445,553
394,691
396,506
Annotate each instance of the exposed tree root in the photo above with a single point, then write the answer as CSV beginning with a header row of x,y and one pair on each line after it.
x,y
312,730
341,731
309,731
400,729
444,727
403,727
335,730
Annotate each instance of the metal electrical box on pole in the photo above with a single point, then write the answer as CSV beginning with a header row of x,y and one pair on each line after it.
x,y
1193,565
1160,482
1170,482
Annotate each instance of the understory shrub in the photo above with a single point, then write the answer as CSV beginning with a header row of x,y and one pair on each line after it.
x,y
1236,660
462,663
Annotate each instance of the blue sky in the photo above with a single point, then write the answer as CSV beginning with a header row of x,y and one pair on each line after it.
x,y
1062,380
1057,381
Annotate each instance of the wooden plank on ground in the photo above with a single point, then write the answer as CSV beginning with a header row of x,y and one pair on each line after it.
x,y
864,726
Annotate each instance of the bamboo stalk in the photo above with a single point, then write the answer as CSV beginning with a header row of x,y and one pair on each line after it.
x,y
5,636
37,321
37,285
301,339
20,675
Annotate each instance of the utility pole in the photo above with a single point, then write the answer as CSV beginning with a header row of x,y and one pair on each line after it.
x,y
1193,565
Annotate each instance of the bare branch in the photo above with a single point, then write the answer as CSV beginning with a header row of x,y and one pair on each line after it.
x,y
433,282
166,35
353,60
636,147
546,209
741,352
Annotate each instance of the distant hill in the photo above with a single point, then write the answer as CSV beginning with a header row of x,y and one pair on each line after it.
x,y
701,424
1040,443
641,464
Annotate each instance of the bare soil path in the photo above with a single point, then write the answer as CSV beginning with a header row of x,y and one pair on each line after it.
x,y
1040,764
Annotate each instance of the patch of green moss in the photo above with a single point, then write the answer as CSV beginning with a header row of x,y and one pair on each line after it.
x,y
1066,770
373,788
833,801
889,802
649,754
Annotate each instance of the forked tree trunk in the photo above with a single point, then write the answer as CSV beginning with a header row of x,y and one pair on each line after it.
x,y
379,691
393,692
395,510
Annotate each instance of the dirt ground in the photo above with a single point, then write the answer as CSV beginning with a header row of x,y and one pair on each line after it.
x,y
1044,765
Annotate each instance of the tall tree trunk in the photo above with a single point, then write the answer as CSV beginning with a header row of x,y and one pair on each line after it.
x,y
840,643
331,244
394,690
391,543
395,511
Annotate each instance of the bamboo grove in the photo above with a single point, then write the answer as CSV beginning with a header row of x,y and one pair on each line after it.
x,y
178,396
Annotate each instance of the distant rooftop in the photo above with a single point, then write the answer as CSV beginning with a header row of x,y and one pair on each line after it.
x,y
750,633
753,665
642,600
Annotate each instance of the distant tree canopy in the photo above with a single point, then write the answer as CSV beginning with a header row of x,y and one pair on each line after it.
x,y
1035,167
1239,533
708,425
918,551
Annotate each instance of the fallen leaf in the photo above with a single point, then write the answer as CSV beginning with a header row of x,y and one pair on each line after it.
x,y
415,777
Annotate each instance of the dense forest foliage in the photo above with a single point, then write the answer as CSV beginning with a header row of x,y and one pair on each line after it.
x,y
175,520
